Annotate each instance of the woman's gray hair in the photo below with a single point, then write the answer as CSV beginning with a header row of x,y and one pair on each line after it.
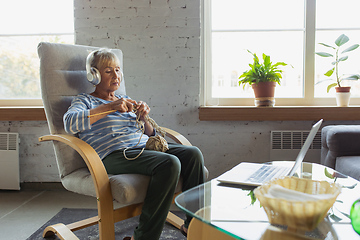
x,y
103,57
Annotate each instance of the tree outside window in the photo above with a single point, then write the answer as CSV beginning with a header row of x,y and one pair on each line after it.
x,y
31,24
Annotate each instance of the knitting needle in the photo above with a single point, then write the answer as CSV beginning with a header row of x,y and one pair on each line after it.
x,y
105,112
101,113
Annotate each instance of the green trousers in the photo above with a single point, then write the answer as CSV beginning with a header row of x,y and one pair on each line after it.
x,y
164,170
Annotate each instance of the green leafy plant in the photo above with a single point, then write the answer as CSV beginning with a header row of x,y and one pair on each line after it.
x,y
252,196
338,57
261,72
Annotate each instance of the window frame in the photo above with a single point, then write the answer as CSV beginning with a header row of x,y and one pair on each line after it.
x,y
308,74
21,102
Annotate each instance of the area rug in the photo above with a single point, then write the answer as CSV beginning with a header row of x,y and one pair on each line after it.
x,y
122,229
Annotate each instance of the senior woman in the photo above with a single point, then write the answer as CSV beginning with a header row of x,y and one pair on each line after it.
x,y
107,122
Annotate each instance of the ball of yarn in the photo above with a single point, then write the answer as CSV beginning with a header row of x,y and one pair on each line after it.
x,y
157,143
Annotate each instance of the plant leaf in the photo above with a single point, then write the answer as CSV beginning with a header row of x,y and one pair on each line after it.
x,y
327,45
279,64
250,52
350,187
345,214
323,80
252,196
266,60
352,77
341,40
331,86
324,54
352,48
329,175
335,218
343,58
330,72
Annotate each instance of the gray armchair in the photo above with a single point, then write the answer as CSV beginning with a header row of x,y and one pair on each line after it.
x,y
341,149
63,76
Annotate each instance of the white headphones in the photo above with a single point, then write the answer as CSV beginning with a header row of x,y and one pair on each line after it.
x,y
92,73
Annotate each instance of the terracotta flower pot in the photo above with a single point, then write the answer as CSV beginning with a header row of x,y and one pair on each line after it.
x,y
342,89
264,94
342,96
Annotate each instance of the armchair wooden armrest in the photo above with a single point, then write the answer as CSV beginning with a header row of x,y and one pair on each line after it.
x,y
91,158
177,137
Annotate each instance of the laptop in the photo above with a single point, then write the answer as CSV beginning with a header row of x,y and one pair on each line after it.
x,y
255,174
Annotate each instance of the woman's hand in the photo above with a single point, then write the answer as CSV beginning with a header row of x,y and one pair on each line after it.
x,y
123,105
142,109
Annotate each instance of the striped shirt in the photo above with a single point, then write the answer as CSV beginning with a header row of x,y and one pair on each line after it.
x,y
113,132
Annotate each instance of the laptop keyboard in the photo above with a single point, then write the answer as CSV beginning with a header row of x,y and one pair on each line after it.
x,y
265,173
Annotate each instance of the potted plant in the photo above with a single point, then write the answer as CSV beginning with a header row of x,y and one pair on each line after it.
x,y
342,93
263,78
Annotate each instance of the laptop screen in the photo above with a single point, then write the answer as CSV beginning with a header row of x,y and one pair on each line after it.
x,y
305,147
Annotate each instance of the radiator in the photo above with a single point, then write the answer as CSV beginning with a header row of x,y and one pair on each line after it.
x,y
9,161
285,145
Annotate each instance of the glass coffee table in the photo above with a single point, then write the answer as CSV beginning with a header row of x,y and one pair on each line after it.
x,y
227,212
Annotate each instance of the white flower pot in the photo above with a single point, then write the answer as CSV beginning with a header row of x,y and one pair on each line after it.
x,y
342,99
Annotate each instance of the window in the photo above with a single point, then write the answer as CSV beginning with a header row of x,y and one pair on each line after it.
x,y
24,25
288,31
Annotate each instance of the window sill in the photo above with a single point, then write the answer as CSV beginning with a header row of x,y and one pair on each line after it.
x,y
278,113
22,114
223,113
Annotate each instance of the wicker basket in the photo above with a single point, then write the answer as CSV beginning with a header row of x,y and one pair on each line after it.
x,y
303,215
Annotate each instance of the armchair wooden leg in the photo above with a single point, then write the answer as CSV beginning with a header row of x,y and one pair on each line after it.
x,y
63,232
105,211
106,223
66,231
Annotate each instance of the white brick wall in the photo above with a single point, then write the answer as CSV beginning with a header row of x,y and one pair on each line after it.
x,y
160,41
